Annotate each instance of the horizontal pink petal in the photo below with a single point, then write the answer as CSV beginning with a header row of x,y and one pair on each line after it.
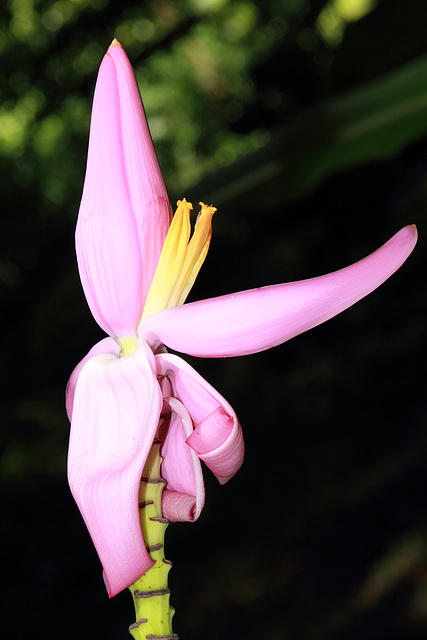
x,y
181,468
255,320
217,436
148,195
117,406
107,345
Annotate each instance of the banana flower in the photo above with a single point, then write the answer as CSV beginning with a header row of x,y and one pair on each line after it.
x,y
137,264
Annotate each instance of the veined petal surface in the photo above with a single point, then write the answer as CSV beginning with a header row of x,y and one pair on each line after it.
x,y
255,320
217,436
148,195
107,243
107,345
125,211
116,409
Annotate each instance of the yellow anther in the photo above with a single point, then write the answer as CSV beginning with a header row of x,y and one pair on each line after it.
x,y
180,260
195,256
171,260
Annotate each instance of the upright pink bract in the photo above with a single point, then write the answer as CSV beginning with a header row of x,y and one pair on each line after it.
x,y
114,401
125,211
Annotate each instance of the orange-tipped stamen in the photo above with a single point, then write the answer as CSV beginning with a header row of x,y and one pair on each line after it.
x,y
171,260
180,260
195,256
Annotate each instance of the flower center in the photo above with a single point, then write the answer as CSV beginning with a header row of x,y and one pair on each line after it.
x,y
128,345
180,259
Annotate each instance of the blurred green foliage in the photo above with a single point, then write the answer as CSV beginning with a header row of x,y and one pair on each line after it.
x,y
193,60
305,123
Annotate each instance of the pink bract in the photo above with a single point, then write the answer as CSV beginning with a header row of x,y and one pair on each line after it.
x,y
115,402
125,211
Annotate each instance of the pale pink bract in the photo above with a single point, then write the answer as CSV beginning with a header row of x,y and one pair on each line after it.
x,y
125,211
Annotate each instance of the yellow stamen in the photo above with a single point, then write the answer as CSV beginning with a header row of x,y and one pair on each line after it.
x,y
195,256
180,260
171,260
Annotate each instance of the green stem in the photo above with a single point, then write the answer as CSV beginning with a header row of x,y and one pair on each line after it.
x,y
151,592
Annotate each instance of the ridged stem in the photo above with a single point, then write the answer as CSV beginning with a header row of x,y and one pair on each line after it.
x,y
151,592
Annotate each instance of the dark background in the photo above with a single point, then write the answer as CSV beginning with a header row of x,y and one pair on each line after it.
x,y
308,131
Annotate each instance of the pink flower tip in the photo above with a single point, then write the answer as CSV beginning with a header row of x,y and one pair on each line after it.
x,y
125,209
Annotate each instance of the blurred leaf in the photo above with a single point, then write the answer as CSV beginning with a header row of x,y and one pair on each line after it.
x,y
373,122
